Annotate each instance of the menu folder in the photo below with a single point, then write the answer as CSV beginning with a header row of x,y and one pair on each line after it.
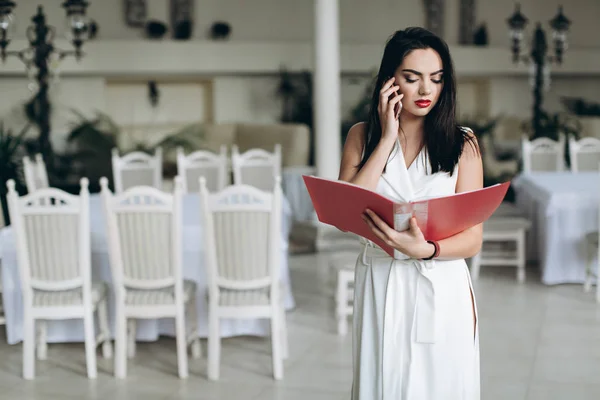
x,y
341,204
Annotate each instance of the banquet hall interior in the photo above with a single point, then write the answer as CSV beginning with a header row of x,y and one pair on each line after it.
x,y
157,237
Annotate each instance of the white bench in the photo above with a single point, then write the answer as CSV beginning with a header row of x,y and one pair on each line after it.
x,y
506,226
343,265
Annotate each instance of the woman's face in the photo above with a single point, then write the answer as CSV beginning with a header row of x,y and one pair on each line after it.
x,y
420,77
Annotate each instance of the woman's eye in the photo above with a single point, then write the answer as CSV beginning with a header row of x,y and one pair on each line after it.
x,y
437,80
410,80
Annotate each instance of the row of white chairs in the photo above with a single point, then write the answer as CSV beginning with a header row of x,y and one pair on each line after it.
x,y
256,167
545,155
144,227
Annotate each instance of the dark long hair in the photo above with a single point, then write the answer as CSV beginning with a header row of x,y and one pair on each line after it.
x,y
444,139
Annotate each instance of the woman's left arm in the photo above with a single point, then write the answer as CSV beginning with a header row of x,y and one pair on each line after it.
x,y
467,243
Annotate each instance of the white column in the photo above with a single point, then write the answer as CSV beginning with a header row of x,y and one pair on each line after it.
x,y
327,110
326,89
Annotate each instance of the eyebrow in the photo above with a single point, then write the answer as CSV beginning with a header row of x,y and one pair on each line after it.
x,y
420,74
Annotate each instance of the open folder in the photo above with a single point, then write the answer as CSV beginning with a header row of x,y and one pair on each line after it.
x,y
341,204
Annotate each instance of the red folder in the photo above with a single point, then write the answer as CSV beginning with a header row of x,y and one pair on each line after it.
x,y
341,204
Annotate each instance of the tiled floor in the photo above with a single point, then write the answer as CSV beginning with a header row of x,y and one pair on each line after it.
x,y
536,343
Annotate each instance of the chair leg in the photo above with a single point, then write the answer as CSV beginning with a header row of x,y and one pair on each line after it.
x,y
214,345
104,329
181,340
131,336
598,282
589,267
120,345
587,283
196,348
90,343
284,334
28,347
42,345
475,266
276,345
521,257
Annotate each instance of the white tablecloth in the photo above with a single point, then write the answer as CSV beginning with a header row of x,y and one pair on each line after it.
x,y
295,190
148,330
563,208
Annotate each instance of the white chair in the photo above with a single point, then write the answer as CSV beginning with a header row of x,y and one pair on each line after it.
x,y
593,250
343,264
144,227
584,154
137,169
506,227
36,175
543,154
2,316
213,167
243,236
256,167
52,232
592,244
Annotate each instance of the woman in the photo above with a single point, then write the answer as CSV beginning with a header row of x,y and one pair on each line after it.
x,y
415,324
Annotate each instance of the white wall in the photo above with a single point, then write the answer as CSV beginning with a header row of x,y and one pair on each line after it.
x,y
252,98
361,21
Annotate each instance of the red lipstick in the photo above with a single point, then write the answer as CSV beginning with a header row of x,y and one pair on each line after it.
x,y
423,103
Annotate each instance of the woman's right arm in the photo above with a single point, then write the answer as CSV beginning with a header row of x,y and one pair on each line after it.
x,y
369,174
389,109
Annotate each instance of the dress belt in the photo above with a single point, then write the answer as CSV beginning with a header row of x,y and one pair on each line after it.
x,y
425,318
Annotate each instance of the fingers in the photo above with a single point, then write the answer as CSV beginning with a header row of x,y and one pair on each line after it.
x,y
375,229
386,94
381,224
387,84
415,231
384,98
395,105
396,99
386,90
413,224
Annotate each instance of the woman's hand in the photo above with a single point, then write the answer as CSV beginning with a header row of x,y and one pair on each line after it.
x,y
410,242
389,109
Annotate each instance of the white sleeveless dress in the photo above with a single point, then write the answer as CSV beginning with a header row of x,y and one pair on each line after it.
x,y
413,333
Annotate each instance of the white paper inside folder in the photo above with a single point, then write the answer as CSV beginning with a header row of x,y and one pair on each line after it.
x,y
402,221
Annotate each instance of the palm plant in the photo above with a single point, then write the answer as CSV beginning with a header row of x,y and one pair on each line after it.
x,y
92,141
183,137
12,150
296,92
186,138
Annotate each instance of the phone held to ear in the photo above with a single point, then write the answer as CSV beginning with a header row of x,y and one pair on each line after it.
x,y
397,107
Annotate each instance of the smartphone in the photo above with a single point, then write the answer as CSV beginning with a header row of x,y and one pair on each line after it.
x,y
396,93
397,108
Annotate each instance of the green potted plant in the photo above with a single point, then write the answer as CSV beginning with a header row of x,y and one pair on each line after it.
x,y
90,143
92,140
296,93
186,137
12,151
